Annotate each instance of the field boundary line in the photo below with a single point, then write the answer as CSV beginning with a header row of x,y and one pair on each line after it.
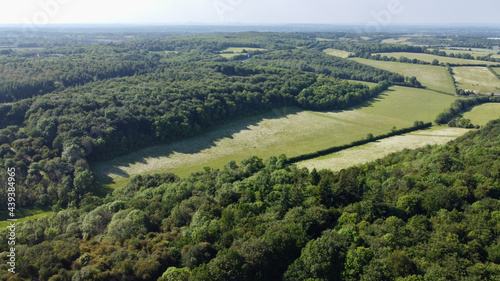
x,y
335,149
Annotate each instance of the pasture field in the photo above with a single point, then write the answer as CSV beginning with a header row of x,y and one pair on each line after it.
x,y
289,131
235,51
429,58
337,53
23,215
400,40
496,69
375,150
482,114
432,77
477,79
474,52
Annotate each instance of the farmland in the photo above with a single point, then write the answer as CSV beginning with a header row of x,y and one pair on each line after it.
x,y
276,133
399,40
375,150
123,154
429,58
474,52
496,69
478,79
433,77
338,53
235,51
482,114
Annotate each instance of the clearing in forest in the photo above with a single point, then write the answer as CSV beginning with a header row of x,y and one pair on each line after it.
x,y
477,79
289,131
337,53
432,77
375,150
236,51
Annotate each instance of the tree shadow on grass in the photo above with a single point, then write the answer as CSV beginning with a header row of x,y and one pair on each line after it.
x,y
191,145
107,169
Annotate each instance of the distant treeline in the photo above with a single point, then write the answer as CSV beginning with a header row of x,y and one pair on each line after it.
x,y
50,138
462,105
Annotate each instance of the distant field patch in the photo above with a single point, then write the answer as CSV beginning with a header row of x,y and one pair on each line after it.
x,y
289,131
478,79
236,51
338,53
429,58
482,114
369,84
473,52
433,77
400,40
375,150
496,69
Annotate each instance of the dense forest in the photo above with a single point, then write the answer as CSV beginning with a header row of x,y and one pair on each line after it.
x,y
96,102
68,101
425,214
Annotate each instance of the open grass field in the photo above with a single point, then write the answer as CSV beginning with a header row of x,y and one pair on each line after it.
x,y
400,40
496,69
375,150
235,51
429,58
289,131
433,77
337,53
474,52
477,79
482,114
23,215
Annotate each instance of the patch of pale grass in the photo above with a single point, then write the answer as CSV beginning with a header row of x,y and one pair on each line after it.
x,y
289,131
337,53
478,79
375,150
429,58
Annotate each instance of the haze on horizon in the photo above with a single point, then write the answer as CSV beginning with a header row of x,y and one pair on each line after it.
x,y
363,12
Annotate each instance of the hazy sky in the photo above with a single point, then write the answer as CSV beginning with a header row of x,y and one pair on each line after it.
x,y
364,12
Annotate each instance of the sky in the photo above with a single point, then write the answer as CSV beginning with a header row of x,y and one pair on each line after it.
x,y
371,13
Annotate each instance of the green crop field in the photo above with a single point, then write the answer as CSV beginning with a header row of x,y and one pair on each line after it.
x,y
375,150
289,131
474,52
337,53
400,40
478,79
429,58
433,77
496,69
482,114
